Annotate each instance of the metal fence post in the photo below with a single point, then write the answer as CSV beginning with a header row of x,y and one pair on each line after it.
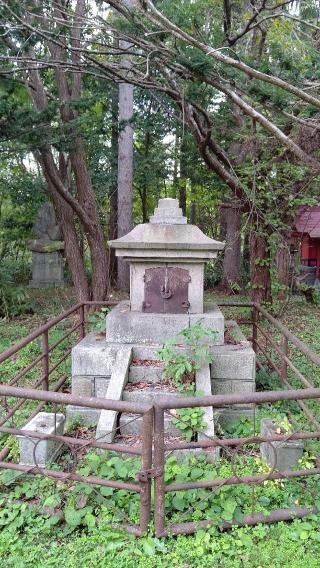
x,y
159,464
45,364
146,473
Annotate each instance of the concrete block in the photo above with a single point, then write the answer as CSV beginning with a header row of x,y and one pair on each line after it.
x,y
213,319
145,373
100,386
148,352
232,387
82,386
86,416
90,386
234,362
131,425
106,428
280,456
125,326
227,417
148,395
93,357
34,451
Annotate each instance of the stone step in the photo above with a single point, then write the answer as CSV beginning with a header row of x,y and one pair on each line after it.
x,y
131,425
145,373
146,351
147,395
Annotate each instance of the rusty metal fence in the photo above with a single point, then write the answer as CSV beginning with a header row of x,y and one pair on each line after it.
x,y
162,448
73,444
273,344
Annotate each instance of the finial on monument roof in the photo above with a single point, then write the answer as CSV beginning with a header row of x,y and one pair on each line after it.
x,y
168,212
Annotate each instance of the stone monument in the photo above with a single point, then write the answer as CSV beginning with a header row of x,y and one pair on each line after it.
x,y
47,250
167,258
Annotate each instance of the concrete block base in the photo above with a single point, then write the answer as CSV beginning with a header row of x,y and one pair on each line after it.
x,y
34,451
281,456
126,326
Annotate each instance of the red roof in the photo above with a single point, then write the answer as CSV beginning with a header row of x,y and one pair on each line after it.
x,y
308,221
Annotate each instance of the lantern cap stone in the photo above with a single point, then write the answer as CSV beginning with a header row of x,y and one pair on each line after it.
x,y
164,237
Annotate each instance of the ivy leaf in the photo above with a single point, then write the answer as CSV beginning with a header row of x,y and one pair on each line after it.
x,y
148,546
72,516
106,491
226,515
90,520
230,505
196,473
178,503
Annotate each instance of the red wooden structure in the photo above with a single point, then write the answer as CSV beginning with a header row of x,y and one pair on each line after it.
x,y
307,227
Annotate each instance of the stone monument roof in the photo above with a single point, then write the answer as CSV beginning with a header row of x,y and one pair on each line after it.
x,y
167,231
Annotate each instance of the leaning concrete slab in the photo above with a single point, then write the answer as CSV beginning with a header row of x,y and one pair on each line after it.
x,y
34,451
106,428
203,385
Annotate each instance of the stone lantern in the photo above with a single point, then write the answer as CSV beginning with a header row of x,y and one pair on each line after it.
x,y
167,258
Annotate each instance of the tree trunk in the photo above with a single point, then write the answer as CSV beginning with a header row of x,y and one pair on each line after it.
x,y
183,180
113,219
193,208
283,268
72,249
260,268
94,234
231,280
125,173
223,223
246,257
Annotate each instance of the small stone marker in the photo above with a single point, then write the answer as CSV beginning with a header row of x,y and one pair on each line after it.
x,y
285,454
35,451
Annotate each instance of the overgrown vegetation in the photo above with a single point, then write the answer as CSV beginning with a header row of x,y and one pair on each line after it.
x,y
182,356
37,511
49,523
185,353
